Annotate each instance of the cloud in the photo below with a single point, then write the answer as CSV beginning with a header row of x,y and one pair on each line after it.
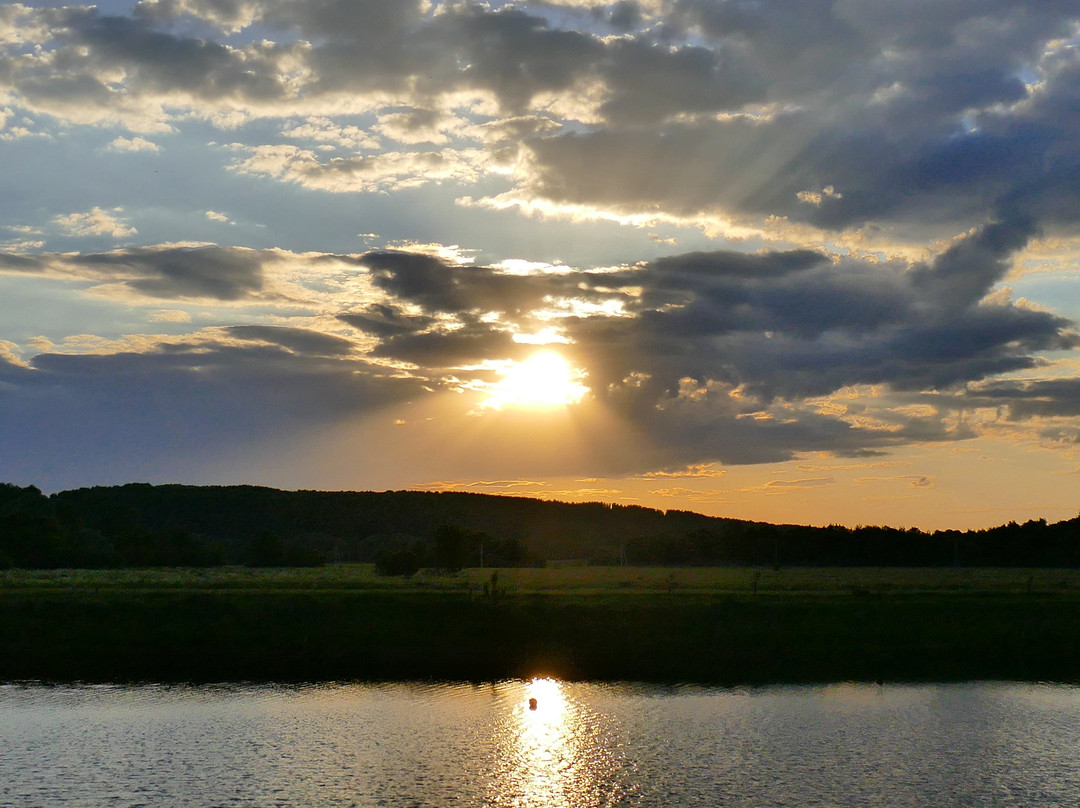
x,y
21,245
204,272
9,354
165,272
696,470
170,316
416,126
440,286
95,222
168,410
723,355
380,172
18,25
385,321
693,494
324,130
470,344
134,144
298,341
845,119
796,324
487,486
785,486
912,480
1026,399
231,16
709,358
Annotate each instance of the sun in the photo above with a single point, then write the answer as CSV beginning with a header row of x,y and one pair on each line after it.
x,y
543,381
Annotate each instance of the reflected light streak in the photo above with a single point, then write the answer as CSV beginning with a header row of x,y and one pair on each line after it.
x,y
555,754
545,740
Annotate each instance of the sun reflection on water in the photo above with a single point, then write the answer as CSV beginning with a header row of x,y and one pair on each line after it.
x,y
553,755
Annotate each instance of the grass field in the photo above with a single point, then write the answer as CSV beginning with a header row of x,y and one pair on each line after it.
x,y
569,580
727,625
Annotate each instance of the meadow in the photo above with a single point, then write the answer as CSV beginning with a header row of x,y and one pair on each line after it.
x,y
709,625
581,580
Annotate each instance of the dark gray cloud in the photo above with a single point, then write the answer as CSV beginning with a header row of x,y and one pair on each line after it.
x,y
1038,398
945,118
714,356
961,276
219,273
512,53
926,122
90,47
648,81
790,324
438,286
170,412
709,343
382,320
344,19
797,324
230,15
301,341
625,15
441,349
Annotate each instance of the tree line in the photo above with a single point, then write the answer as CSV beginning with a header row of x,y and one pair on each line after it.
x,y
141,525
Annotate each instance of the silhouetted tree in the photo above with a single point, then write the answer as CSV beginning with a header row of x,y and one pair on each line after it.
x,y
265,550
451,548
400,561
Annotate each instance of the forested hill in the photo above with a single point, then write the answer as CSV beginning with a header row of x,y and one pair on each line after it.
x,y
233,521
152,525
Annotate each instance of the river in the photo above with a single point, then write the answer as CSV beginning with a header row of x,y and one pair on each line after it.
x,y
584,745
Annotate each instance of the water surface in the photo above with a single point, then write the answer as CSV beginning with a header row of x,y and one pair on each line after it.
x,y
583,745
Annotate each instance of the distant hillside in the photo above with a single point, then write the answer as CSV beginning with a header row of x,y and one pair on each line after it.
x,y
163,525
357,523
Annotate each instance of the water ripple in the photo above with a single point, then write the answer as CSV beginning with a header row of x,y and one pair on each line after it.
x,y
583,746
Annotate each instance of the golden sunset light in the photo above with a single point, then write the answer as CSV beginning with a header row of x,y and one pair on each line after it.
x,y
572,392
543,381
730,248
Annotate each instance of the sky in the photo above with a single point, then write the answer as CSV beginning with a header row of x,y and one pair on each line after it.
x,y
809,262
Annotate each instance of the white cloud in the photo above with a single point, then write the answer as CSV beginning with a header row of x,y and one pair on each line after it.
x,y
709,470
451,253
134,144
214,216
9,352
95,222
21,245
230,16
815,198
170,316
418,126
379,172
324,130
9,130
18,25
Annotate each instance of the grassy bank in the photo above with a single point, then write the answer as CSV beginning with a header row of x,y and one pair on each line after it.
x,y
650,624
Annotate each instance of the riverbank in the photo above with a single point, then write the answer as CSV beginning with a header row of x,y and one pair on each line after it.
x,y
724,627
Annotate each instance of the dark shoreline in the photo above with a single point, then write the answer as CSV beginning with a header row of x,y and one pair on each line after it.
x,y
290,636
